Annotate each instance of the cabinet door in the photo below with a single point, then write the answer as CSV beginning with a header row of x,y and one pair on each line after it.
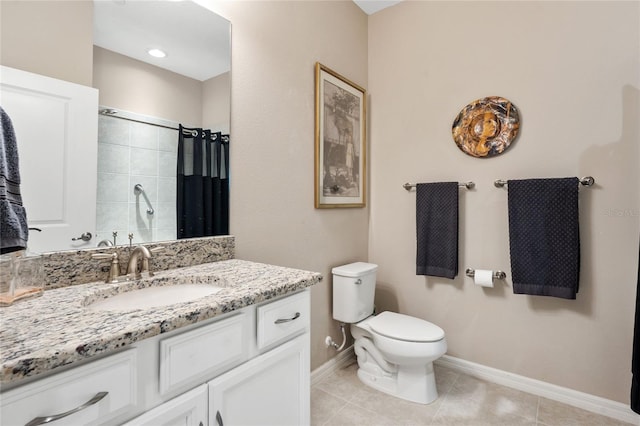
x,y
188,409
272,389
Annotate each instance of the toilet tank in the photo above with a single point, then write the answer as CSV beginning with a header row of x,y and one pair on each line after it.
x,y
354,288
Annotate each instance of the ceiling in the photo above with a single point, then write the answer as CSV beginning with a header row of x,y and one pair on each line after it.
x,y
372,6
196,40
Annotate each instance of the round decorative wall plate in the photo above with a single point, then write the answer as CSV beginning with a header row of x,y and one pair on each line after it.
x,y
486,127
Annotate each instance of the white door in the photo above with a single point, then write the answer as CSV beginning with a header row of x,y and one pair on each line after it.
x,y
272,389
56,125
188,409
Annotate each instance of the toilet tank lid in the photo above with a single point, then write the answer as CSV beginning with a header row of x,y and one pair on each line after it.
x,y
353,270
404,327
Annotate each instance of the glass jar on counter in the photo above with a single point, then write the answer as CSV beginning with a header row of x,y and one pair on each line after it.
x,y
21,276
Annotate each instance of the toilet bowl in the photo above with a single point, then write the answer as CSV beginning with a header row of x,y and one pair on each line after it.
x,y
395,355
395,352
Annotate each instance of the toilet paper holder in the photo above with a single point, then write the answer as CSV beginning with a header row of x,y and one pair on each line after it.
x,y
497,275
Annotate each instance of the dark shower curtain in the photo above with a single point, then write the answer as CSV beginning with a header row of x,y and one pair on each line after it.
x,y
203,183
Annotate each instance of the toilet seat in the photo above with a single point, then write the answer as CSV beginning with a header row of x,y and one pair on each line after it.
x,y
405,328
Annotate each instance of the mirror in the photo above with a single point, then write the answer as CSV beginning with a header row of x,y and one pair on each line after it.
x,y
144,98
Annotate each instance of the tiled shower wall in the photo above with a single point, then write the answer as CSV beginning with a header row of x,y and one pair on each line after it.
x,y
131,153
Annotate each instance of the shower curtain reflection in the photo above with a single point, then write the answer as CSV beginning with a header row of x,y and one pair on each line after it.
x,y
203,183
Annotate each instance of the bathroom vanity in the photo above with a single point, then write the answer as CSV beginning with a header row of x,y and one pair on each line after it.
x,y
237,356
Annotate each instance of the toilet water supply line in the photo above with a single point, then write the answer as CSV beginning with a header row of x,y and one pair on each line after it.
x,y
329,341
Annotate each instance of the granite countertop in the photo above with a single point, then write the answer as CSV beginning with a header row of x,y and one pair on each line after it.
x,y
58,329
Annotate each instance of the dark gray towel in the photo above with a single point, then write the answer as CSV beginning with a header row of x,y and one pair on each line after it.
x,y
14,230
437,229
544,236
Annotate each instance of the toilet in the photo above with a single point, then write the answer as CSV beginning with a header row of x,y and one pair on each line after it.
x,y
395,352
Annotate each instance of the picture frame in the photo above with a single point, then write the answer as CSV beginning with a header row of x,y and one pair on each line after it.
x,y
340,141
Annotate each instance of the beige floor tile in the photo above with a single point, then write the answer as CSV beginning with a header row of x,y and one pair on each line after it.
x,y
324,406
342,400
445,378
553,413
343,383
457,407
402,412
460,409
497,399
351,415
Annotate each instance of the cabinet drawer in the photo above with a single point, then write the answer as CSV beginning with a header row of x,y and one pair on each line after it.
x,y
282,319
63,392
191,357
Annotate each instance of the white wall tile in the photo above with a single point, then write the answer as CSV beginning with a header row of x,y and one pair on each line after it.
x,y
144,162
113,158
144,136
113,130
112,187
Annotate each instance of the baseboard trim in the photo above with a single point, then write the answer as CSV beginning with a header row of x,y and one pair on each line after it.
x,y
343,358
588,402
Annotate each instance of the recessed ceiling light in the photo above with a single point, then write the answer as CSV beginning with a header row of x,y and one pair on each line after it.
x,y
156,53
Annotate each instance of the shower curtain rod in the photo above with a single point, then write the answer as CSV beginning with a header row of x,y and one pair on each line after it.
x,y
114,113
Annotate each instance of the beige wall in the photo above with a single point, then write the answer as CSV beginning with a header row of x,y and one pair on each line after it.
x,y
216,103
572,68
275,46
53,38
136,86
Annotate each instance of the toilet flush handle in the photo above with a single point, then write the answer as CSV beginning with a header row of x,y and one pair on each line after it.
x,y
358,281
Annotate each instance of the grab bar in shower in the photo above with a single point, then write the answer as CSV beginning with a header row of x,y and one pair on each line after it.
x,y
138,189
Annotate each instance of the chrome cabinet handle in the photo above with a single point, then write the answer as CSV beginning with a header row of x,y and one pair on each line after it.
x,y
86,236
358,281
283,320
219,418
49,419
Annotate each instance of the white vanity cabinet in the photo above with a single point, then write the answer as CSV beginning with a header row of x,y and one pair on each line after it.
x,y
248,367
271,386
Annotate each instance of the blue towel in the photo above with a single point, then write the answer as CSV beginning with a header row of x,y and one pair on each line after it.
x,y
437,229
544,236
14,230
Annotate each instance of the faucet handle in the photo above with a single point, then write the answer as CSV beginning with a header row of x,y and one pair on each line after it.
x,y
102,256
114,270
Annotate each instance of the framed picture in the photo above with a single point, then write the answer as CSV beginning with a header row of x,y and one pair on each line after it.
x,y
340,136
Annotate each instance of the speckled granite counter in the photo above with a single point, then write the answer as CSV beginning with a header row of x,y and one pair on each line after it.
x,y
58,329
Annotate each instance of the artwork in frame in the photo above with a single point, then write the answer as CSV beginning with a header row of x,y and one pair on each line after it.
x,y
340,141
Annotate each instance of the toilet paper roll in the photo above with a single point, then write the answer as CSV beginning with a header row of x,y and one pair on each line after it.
x,y
483,277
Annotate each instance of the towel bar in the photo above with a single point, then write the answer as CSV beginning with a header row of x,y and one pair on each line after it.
x,y
498,275
468,185
585,181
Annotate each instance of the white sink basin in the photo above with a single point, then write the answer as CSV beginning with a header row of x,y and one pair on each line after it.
x,y
153,297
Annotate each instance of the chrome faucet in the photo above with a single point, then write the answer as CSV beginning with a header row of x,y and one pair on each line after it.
x,y
132,266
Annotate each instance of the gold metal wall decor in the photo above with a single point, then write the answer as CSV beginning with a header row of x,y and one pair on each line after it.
x,y
486,127
340,141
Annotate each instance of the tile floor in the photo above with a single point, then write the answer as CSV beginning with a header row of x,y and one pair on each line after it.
x,y
341,399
